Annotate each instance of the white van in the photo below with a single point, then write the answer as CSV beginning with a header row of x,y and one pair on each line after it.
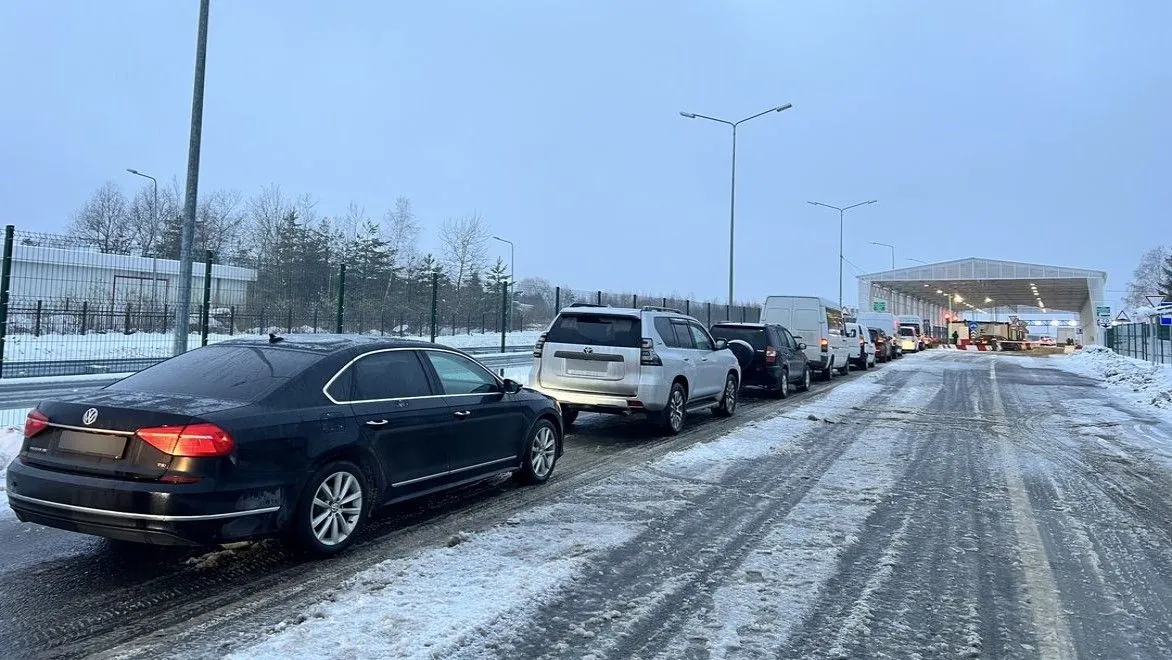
x,y
818,323
913,341
865,355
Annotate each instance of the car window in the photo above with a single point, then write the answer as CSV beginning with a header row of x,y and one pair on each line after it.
x,y
701,338
789,338
663,326
460,375
850,330
683,334
874,334
382,375
834,321
226,372
755,337
596,330
907,332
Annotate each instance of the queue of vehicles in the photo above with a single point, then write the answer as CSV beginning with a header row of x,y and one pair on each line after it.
x,y
303,436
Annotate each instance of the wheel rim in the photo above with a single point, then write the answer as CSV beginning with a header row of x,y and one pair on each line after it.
x,y
730,394
806,380
784,383
543,451
676,413
336,509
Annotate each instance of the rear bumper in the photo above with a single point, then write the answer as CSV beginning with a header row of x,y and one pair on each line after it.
x,y
163,514
769,376
650,396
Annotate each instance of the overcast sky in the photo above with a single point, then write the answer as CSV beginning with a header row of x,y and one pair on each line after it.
x,y
1032,131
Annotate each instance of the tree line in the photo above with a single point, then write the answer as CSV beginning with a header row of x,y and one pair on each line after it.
x,y
1152,277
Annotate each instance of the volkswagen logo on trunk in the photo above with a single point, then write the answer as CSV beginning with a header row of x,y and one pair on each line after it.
x,y
90,416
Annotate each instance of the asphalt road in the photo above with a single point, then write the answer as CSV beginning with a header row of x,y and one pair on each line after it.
x,y
963,505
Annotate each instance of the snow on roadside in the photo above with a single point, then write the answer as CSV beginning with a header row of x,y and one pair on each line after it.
x,y
10,441
428,604
1152,382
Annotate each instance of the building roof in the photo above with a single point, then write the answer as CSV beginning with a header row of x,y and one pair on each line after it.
x,y
35,254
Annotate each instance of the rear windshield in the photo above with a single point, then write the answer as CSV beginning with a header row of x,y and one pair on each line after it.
x,y
907,332
596,330
754,336
233,373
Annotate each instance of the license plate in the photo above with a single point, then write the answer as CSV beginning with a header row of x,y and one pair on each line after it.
x,y
590,367
91,444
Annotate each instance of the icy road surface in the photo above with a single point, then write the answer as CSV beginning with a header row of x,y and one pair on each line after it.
x,y
947,505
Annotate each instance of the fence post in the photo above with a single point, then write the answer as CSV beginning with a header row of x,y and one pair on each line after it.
x,y
742,314
557,300
37,322
85,312
289,319
483,323
635,301
164,318
232,320
598,298
505,312
688,307
5,281
727,312
261,322
315,320
709,304
664,302
207,298
341,298
453,324
125,320
434,303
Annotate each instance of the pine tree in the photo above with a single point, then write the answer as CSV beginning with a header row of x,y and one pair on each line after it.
x,y
497,275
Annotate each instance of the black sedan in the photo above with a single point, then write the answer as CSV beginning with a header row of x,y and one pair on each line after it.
x,y
297,436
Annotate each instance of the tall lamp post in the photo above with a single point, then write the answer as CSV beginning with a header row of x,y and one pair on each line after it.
x,y
511,253
841,210
732,205
890,247
155,185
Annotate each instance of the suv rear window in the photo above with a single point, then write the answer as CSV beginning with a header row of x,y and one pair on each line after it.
x,y
596,330
754,336
907,332
233,373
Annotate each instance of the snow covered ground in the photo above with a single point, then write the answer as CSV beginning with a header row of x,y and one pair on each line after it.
x,y
1144,382
20,348
10,441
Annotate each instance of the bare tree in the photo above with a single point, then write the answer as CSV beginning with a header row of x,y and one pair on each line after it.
x,y
104,221
464,247
265,212
220,223
1148,278
403,232
144,221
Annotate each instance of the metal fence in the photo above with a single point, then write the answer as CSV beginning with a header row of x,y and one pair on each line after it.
x,y
1143,341
66,307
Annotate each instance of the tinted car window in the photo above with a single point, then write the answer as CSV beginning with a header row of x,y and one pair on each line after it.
x,y
683,334
459,375
385,375
596,330
755,337
907,332
663,326
793,341
787,339
700,337
874,334
233,373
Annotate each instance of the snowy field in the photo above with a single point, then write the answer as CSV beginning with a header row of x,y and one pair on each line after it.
x,y
1143,382
21,348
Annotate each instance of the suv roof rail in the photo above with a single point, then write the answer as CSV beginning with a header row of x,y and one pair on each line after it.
x,y
653,308
587,304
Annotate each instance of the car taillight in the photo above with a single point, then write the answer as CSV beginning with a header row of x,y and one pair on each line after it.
x,y
194,440
539,345
824,344
770,355
647,355
34,423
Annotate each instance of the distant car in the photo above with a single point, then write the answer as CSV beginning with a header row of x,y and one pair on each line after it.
x,y
653,361
1047,341
864,356
777,361
299,437
884,347
909,339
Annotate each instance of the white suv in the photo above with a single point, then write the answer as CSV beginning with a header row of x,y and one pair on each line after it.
x,y
653,361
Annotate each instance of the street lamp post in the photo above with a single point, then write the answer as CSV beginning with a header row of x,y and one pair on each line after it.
x,y
732,205
841,211
890,247
919,261
498,238
155,200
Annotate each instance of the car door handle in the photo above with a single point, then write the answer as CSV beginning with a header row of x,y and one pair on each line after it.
x,y
703,359
461,414
377,422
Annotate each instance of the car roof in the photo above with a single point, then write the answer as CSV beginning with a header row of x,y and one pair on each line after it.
x,y
620,311
735,324
328,343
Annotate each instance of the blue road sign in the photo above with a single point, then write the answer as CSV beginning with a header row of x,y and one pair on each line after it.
x,y
972,325
1166,320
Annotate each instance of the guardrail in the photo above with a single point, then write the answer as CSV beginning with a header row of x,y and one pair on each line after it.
x,y
49,368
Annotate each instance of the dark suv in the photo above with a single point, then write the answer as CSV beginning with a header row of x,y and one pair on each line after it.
x,y
776,360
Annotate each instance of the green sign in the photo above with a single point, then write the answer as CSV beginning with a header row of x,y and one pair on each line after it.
x,y
878,305
1103,310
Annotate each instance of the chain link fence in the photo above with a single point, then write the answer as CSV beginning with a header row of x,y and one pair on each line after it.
x,y
69,308
1143,341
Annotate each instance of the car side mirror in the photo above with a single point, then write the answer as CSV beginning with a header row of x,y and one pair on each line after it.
x,y
721,344
511,386
801,346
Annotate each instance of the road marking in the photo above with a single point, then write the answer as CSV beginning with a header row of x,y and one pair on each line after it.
x,y
1045,606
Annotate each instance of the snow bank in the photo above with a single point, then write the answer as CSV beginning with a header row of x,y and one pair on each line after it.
x,y
1153,382
10,441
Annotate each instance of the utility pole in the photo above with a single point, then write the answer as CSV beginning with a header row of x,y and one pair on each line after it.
x,y
187,235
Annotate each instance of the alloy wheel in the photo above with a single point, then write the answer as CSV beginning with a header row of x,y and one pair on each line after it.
x,y
730,395
543,451
336,508
676,410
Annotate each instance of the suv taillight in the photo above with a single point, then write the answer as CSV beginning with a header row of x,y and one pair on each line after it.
x,y
647,355
194,440
824,344
34,423
770,355
539,345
